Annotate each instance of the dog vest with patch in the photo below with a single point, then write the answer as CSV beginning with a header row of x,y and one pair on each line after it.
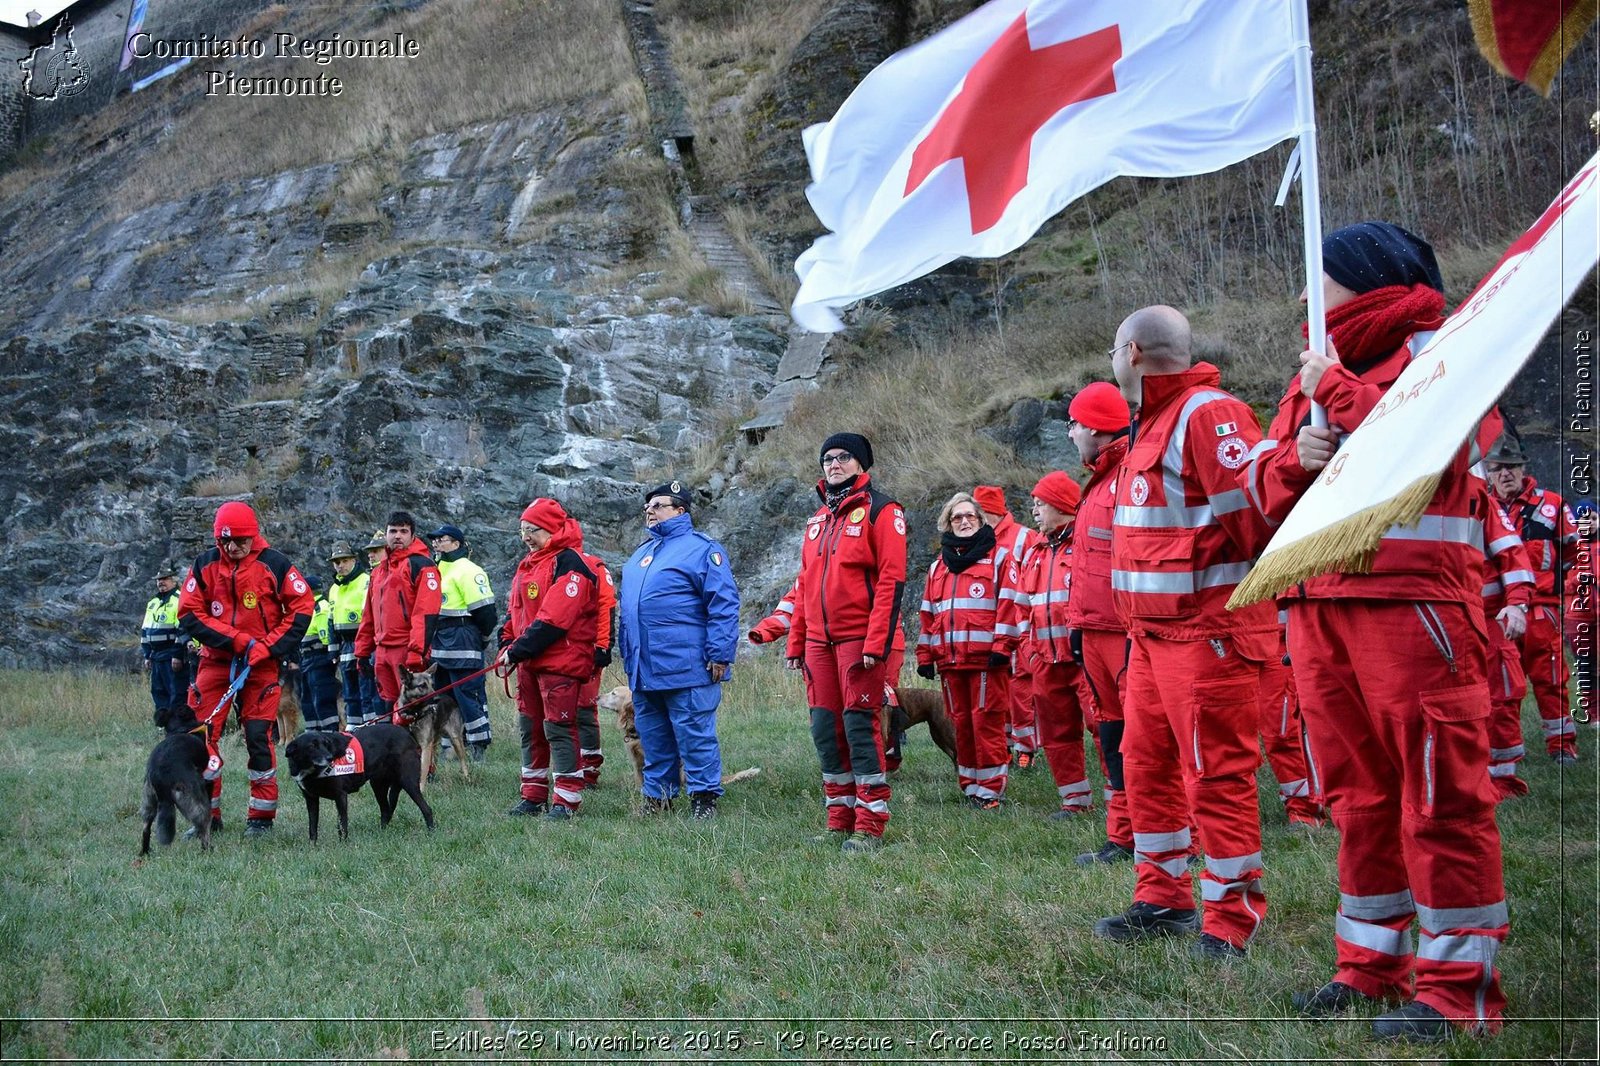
x,y
353,761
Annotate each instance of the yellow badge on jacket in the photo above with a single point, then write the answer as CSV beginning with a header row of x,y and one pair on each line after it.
x,y
858,514
249,601
533,590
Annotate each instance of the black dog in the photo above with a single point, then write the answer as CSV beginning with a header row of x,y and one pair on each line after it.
x,y
333,765
174,780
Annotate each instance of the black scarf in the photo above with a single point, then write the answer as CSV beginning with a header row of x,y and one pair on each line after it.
x,y
959,553
833,496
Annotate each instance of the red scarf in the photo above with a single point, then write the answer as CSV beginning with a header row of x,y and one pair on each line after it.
x,y
1375,323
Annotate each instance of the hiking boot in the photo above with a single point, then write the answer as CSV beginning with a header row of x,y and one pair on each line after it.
x,y
558,813
1207,946
1564,758
1062,814
990,804
1414,1021
860,844
702,806
1145,920
526,807
1109,852
257,827
1335,997
656,805
478,753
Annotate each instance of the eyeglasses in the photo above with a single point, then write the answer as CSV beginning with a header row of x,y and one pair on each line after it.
x,y
1072,424
1111,353
238,542
836,458
964,516
660,505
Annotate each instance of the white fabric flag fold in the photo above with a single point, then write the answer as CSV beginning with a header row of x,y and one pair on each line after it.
x,y
1384,473
964,144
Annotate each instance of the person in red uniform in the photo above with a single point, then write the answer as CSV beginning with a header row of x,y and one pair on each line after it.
x,y
1550,537
1507,593
1062,698
852,575
1390,667
775,626
971,620
1099,430
1018,542
402,609
1283,737
1183,538
590,753
552,616
247,605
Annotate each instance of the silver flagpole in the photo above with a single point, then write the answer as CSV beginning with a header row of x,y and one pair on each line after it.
x,y
1310,189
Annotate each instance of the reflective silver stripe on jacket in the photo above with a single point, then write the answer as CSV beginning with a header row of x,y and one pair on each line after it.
x,y
1440,528
1180,582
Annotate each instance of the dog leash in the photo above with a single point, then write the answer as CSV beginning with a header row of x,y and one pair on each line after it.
x,y
236,680
398,715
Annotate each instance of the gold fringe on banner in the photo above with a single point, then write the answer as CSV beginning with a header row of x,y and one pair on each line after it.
x,y
1346,547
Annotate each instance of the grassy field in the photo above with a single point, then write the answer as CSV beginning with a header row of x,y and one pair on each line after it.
x,y
548,938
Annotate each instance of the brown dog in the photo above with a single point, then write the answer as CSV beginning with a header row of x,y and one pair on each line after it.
x,y
620,700
926,705
289,717
434,717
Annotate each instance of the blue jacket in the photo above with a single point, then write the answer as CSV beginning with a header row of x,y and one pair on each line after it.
x,y
679,609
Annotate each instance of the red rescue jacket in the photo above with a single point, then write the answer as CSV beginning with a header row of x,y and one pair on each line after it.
x,y
263,598
777,623
1437,559
553,609
1185,534
403,600
1016,541
1549,535
1050,581
605,600
968,616
1092,605
1507,577
852,573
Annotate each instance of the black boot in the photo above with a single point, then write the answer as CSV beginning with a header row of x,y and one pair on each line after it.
x,y
702,806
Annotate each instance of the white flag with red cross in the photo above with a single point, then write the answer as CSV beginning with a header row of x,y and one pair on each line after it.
x,y
964,144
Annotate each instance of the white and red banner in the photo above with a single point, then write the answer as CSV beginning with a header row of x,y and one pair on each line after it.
x,y
964,144
1438,401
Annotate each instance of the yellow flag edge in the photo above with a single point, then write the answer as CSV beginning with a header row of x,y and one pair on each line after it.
x,y
1346,547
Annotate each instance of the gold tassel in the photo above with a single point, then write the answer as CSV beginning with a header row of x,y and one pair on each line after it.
x,y
1346,547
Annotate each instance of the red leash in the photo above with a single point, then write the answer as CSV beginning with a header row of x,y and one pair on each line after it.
x,y
397,716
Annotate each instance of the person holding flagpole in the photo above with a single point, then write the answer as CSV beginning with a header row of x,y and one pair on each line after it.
x,y
1390,664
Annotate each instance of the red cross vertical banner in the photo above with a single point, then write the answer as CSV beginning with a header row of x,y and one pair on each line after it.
x,y
966,143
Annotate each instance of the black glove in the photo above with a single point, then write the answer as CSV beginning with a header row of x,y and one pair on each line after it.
x,y
926,670
1075,642
365,667
998,661
602,658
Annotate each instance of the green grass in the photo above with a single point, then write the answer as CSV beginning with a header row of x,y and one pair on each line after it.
x,y
361,950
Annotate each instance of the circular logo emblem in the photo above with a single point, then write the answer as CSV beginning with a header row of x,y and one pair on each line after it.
x,y
646,561
1113,488
216,609
298,585
676,488
811,534
572,588
1231,452
249,600
975,590
433,583
900,526
227,531
190,586
858,514
1139,490
1548,510
533,590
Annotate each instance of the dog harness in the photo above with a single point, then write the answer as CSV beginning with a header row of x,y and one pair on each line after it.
x,y
353,761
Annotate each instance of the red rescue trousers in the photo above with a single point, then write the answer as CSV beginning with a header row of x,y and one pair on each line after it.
x,y
1507,687
1400,729
1545,663
979,705
590,754
386,663
1022,729
1281,737
1190,746
845,699
257,705
1064,708
1105,667
547,717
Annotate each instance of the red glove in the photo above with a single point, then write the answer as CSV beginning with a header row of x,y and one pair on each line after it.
x,y
259,653
414,662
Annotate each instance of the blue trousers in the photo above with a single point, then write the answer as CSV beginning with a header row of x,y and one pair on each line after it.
x,y
472,698
678,729
319,691
167,688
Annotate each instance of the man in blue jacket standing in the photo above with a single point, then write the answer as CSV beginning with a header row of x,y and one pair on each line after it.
x,y
679,630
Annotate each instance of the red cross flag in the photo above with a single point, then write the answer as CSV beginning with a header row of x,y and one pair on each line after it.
x,y
964,144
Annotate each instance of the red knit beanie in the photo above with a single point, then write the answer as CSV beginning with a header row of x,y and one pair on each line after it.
x,y
235,519
548,515
1100,407
1059,491
991,498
